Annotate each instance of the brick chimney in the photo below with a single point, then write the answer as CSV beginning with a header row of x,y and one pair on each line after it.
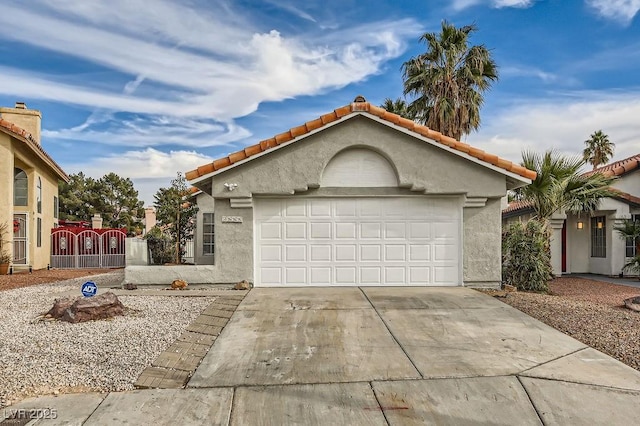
x,y
28,119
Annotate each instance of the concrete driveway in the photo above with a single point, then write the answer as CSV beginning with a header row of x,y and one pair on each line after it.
x,y
408,355
369,356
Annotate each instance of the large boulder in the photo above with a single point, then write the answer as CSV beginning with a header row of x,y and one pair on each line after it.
x,y
104,306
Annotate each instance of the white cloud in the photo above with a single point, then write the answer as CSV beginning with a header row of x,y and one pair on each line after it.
x,y
562,123
149,169
208,65
622,11
464,4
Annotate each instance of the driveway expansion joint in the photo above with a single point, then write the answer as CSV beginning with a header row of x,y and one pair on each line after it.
x,y
173,367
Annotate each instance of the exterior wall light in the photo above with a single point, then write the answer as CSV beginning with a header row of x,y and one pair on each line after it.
x,y
580,224
599,225
230,186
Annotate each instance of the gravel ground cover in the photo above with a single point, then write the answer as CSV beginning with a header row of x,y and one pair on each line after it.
x,y
39,358
590,311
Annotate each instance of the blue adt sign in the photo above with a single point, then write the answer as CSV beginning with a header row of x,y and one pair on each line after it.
x,y
89,289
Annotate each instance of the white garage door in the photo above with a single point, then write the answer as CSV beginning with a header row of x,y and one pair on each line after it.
x,y
357,241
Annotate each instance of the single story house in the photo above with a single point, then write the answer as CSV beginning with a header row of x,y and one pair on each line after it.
x,y
583,243
28,187
357,197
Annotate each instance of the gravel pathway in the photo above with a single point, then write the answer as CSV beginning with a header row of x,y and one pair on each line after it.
x,y
589,311
38,358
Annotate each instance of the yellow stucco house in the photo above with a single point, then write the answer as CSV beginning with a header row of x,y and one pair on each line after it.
x,y
28,187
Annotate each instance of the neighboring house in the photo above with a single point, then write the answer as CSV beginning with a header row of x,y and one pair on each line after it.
x,y
584,243
28,186
359,196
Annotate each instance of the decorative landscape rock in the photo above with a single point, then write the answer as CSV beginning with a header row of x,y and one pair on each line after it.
x,y
633,303
103,306
242,285
179,284
130,286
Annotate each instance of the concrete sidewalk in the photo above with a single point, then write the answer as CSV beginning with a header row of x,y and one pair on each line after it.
x,y
629,282
377,356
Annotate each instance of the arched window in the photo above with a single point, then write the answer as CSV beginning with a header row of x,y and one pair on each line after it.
x,y
359,167
39,194
20,188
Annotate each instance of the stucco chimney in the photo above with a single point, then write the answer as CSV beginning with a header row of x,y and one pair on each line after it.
x,y
149,219
27,119
96,221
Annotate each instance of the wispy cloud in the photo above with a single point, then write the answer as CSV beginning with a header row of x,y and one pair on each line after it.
x,y
291,9
463,4
622,11
562,122
529,72
196,68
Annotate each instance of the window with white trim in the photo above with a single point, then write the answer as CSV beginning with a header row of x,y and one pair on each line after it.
x,y
599,236
208,245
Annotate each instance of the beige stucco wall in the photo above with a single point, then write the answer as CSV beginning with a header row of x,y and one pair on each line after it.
x,y
14,153
421,168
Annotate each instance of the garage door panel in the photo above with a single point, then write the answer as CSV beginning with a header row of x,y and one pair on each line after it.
x,y
371,275
320,209
395,253
295,230
346,275
419,252
395,230
320,275
295,208
395,275
345,252
419,275
271,231
370,230
296,276
271,253
320,253
357,241
295,253
320,230
271,276
345,208
346,230
371,252
447,252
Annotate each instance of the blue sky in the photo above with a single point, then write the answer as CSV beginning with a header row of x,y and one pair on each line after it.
x,y
148,91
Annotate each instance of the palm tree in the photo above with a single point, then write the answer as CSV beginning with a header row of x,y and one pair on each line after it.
x,y
559,186
599,149
448,80
398,106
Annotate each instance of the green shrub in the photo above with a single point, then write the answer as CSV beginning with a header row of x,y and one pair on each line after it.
x,y
526,256
161,247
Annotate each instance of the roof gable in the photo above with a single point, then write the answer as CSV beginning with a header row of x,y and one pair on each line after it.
x,y
26,137
361,107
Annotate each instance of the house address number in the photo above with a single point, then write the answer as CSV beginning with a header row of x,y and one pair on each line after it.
x,y
231,219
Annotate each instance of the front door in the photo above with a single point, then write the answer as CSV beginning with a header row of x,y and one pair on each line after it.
x,y
20,239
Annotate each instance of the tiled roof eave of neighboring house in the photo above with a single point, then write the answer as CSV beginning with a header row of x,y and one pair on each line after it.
x,y
361,107
24,136
617,168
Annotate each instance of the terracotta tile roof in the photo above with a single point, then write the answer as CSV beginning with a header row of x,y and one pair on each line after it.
x,y
626,197
358,106
516,208
618,168
26,137
518,205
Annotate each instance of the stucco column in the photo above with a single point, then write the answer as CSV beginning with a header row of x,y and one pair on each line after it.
x,y
556,222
